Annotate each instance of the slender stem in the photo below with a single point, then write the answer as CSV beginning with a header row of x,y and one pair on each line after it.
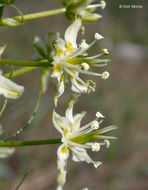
x,y
40,14
3,107
20,71
30,143
19,131
25,63
22,180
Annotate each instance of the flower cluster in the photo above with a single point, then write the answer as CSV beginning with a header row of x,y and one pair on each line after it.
x,y
76,138
70,60
67,60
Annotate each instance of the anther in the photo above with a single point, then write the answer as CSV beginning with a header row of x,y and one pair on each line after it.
x,y
95,147
97,164
98,114
107,143
95,125
85,66
105,51
105,75
98,36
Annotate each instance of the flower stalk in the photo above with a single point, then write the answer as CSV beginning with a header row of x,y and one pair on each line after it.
x,y
5,21
45,63
29,143
40,14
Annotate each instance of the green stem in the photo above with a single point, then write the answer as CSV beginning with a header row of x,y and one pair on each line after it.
x,y
22,180
20,71
40,14
25,63
29,143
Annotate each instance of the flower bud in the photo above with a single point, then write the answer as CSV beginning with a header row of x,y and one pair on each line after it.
x,y
82,9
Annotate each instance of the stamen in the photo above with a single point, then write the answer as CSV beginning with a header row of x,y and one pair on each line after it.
x,y
76,77
105,75
95,125
89,73
86,127
98,114
95,56
97,164
107,143
85,66
98,36
71,66
95,147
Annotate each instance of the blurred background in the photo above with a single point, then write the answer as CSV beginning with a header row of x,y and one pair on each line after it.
x,y
123,99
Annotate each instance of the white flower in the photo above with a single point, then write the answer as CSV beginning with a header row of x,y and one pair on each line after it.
x,y
67,64
8,88
77,139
